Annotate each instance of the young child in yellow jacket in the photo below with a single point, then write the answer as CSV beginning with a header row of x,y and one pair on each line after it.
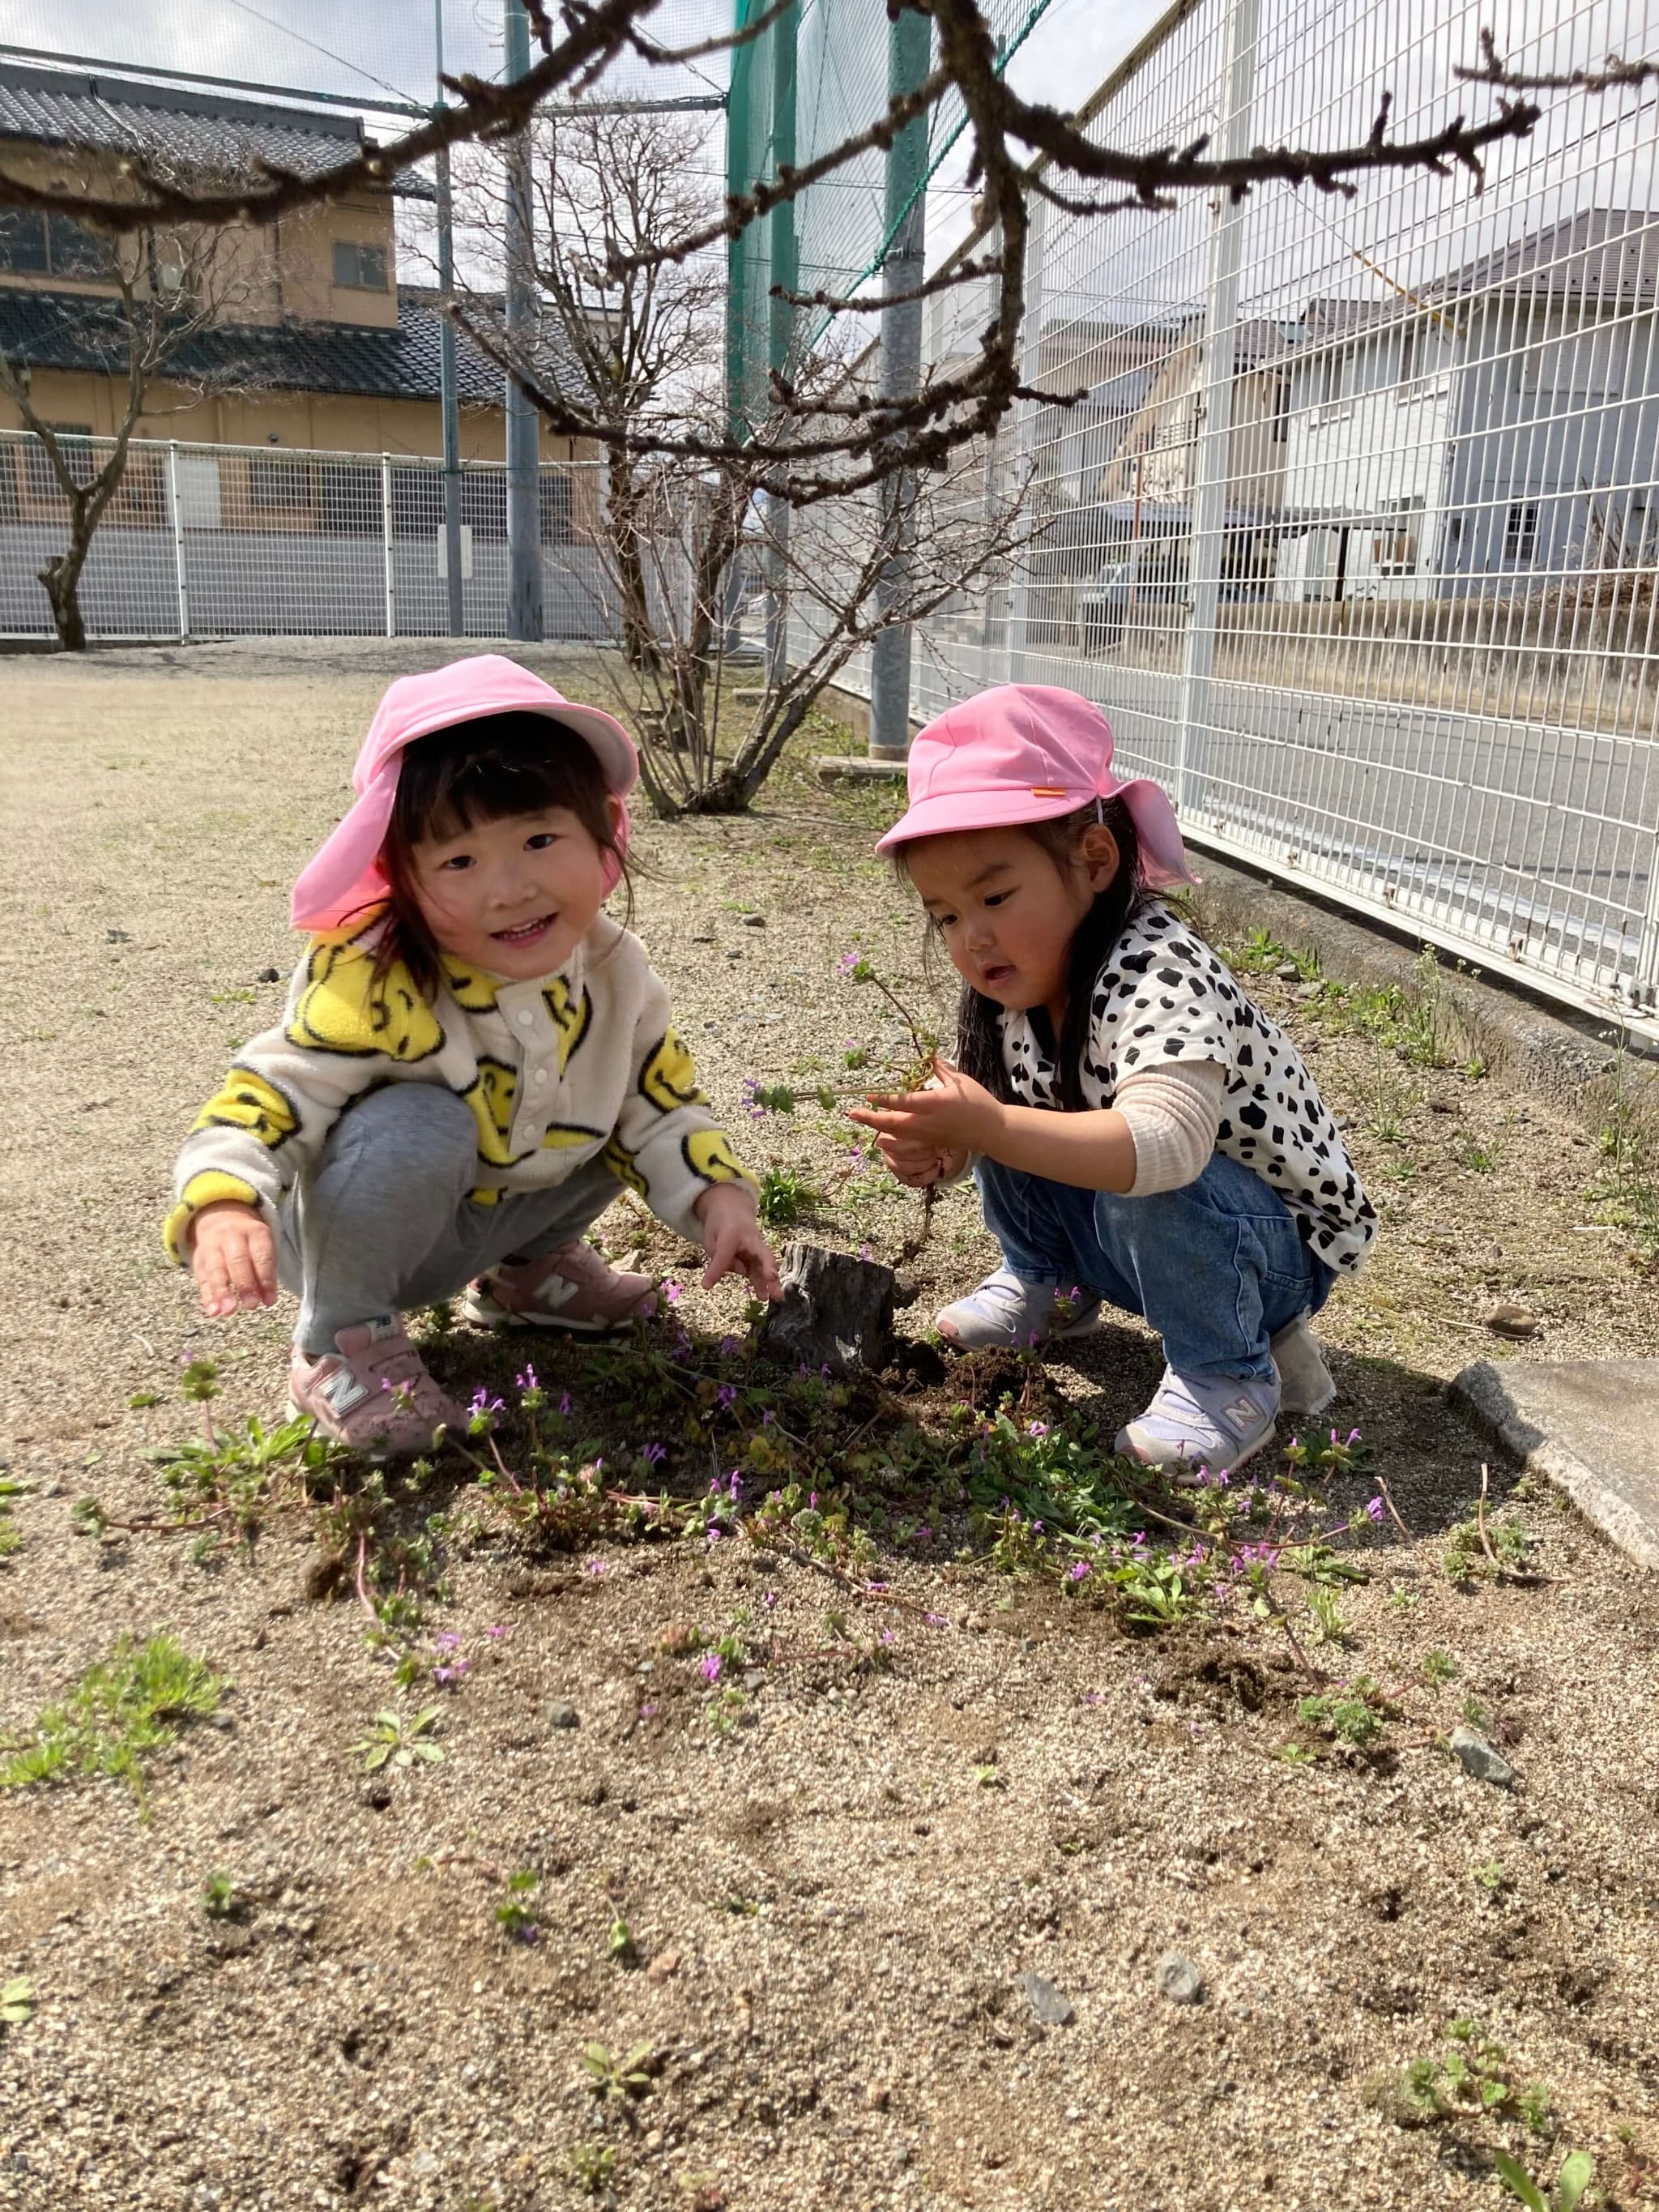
x,y
473,1057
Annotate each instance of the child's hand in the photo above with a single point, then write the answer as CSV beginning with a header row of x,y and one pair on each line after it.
x,y
233,1257
733,1240
956,1115
920,1166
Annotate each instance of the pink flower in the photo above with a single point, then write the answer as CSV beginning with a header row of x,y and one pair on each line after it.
x,y
1374,1509
710,1667
673,1293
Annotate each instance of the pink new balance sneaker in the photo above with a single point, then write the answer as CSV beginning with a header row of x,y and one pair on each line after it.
x,y
571,1289
374,1393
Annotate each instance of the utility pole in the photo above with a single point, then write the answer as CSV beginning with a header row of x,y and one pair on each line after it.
x,y
448,402
909,51
524,524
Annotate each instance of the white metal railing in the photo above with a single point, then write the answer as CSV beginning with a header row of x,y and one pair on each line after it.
x,y
212,540
1356,537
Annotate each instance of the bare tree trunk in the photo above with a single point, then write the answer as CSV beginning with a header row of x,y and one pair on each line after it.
x,y
639,639
62,578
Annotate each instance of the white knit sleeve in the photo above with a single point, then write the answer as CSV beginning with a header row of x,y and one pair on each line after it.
x,y
1173,1113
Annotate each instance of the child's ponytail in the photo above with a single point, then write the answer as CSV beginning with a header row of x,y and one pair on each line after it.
x,y
979,1019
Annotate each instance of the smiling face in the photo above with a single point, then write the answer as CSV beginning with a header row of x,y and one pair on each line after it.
x,y
1008,910
514,896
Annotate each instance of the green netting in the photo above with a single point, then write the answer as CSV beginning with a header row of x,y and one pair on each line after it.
x,y
821,74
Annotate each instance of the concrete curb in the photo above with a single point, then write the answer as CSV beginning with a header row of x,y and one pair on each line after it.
x,y
1579,1451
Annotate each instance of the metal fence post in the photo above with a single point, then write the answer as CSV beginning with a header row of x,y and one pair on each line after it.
x,y
386,546
1207,518
180,587
909,49
1019,602
525,615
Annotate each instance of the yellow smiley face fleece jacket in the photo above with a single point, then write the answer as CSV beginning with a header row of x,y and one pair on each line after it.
x,y
558,1071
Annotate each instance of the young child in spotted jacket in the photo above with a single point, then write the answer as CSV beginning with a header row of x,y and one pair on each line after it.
x,y
1142,1134
473,1057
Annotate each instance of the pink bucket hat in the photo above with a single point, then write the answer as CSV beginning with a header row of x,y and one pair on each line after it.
x,y
344,876
1027,752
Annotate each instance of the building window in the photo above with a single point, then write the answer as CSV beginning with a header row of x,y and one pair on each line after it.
x,y
1281,409
23,243
359,268
1394,548
1521,531
56,246
278,484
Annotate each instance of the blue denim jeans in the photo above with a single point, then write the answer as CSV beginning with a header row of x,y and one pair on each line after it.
x,y
1217,1268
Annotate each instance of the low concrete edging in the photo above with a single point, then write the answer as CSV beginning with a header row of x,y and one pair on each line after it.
x,y
1590,1426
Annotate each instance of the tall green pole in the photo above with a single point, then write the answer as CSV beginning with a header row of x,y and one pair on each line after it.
x,y
780,329
909,51
739,177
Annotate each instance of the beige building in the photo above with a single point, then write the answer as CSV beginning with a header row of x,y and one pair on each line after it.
x,y
313,342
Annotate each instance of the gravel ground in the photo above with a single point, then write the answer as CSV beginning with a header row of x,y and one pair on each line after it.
x,y
832,1904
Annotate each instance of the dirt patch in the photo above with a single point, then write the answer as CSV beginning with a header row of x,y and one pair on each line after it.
x,y
828,1902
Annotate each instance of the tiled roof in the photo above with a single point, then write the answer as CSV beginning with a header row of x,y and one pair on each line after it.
x,y
192,130
64,330
1609,255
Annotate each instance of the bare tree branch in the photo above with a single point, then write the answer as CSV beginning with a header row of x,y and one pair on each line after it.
x,y
963,273
1492,70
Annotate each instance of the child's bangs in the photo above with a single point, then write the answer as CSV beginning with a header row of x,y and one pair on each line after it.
x,y
501,766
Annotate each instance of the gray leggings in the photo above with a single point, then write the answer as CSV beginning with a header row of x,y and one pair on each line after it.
x,y
383,1222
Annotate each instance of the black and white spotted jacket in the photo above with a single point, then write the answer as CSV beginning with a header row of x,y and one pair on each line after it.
x,y
1162,998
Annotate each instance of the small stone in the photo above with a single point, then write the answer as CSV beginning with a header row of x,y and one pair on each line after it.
x,y
1179,1980
1442,1106
1289,973
561,1716
877,2096
1478,1757
663,1967
704,938
1511,1320
754,921
117,937
1074,2112
1052,2006
734,956
268,975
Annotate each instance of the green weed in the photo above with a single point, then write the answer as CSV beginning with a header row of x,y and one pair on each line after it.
x,y
119,1713
614,2077
1438,1668
398,1739
17,2002
1356,1713
1577,2171
787,1198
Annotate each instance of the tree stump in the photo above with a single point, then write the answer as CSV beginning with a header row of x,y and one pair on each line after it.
x,y
835,1312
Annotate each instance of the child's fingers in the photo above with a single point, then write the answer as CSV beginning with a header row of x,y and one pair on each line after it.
x,y
760,1266
213,1282
262,1254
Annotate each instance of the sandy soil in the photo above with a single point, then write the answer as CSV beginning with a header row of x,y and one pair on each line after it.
x,y
831,1899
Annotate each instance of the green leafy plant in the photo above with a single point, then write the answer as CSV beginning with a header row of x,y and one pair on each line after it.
x,y
121,1712
1296,1755
593,2167
1471,2073
1326,1608
1577,2172
1492,1880
616,2077
221,1899
619,1945
1356,1713
515,1915
1439,1668
399,1740
787,1197
10,1541
17,2002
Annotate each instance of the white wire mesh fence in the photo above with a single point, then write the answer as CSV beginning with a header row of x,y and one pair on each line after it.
x,y
209,541
1356,533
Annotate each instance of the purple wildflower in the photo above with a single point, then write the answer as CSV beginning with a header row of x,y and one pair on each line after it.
x,y
726,1397
1078,1571
654,1454
1374,1509
596,1567
446,1640
527,1380
1036,1429
564,1401
932,1619
768,1599
728,1345
501,1629
847,962
710,1667
673,1293
889,1636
